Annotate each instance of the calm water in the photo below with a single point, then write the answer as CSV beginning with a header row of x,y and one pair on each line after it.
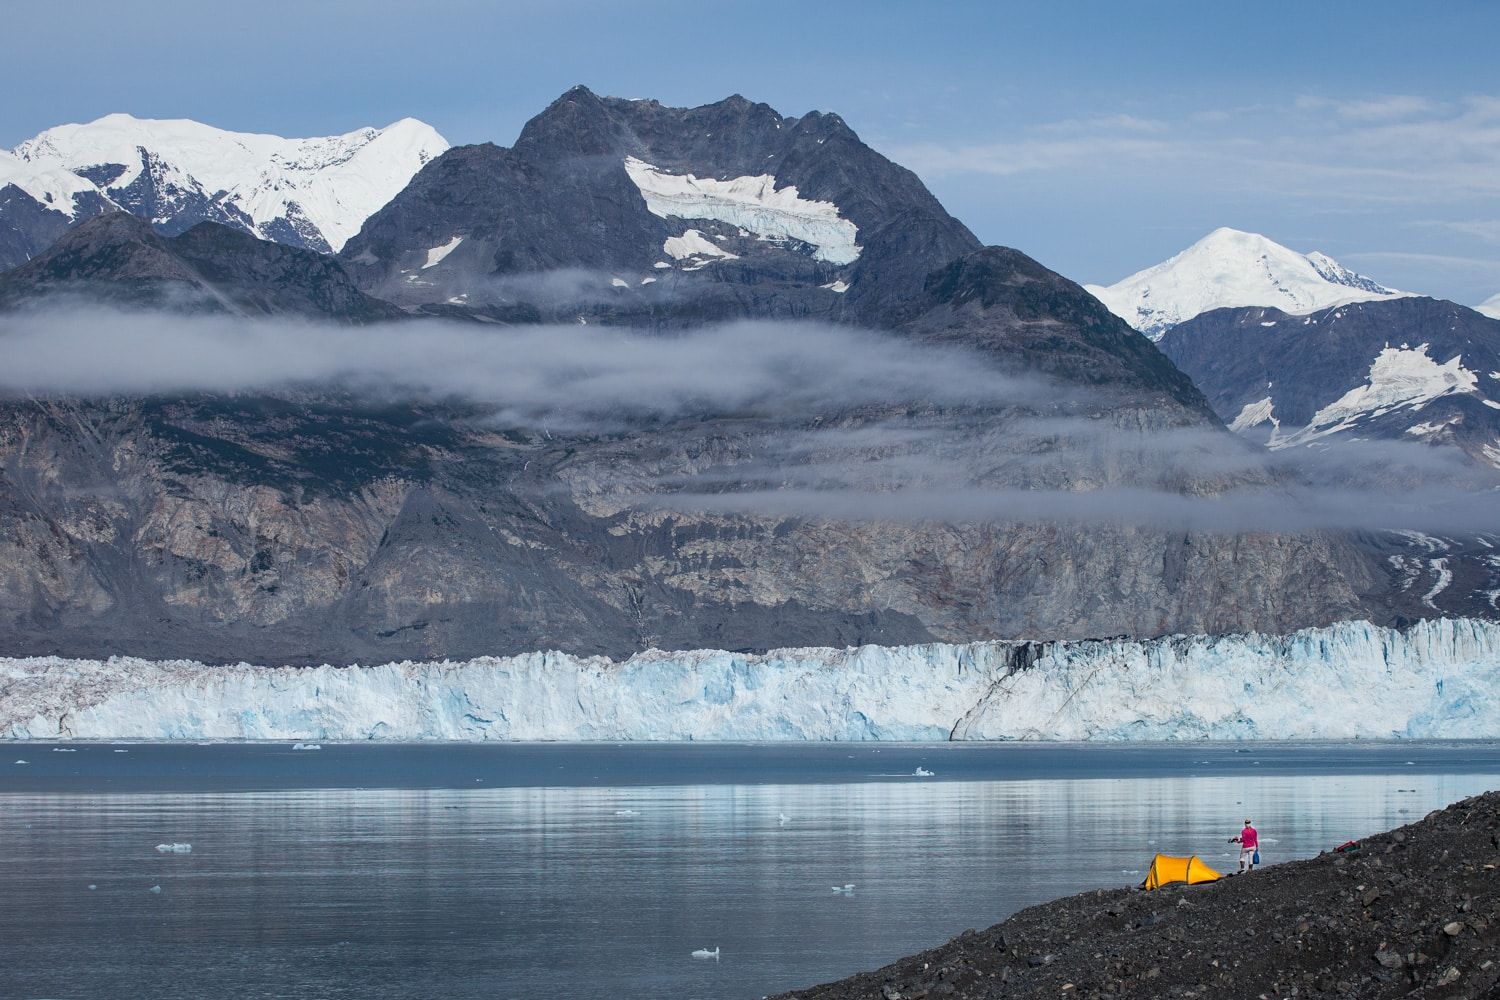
x,y
589,871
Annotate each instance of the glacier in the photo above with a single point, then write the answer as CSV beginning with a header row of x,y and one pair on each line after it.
x,y
1433,679
752,203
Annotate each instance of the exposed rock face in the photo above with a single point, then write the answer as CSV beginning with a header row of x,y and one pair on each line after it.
x,y
1414,913
319,530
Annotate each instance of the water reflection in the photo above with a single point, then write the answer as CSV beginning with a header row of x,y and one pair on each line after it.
x,y
550,891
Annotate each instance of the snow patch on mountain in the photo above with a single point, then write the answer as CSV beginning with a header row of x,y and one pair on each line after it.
x,y
1351,680
1400,377
320,189
751,203
1490,307
1229,268
693,244
437,255
52,186
1255,414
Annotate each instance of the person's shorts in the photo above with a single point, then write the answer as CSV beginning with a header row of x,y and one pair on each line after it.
x,y
1247,855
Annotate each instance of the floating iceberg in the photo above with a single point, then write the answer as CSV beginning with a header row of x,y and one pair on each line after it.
x,y
307,746
174,848
1435,679
921,772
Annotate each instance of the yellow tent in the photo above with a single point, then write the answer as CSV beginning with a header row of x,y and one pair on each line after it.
x,y
1166,870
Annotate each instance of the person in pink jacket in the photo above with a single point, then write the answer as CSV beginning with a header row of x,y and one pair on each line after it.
x,y
1249,842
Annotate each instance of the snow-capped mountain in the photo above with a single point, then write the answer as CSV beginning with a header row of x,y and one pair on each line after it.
x,y
1435,679
1410,369
1229,268
309,193
1490,306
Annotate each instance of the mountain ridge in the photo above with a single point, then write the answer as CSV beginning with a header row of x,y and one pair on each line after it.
x,y
311,193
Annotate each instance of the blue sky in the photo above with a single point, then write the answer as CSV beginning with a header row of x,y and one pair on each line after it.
x,y
1097,137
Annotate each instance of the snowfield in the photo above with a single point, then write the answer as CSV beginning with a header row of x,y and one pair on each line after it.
x,y
1230,268
1351,680
325,186
752,203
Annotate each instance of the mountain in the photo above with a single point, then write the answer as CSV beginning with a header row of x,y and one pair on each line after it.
x,y
118,259
1406,369
308,193
1230,268
1490,307
730,204
679,378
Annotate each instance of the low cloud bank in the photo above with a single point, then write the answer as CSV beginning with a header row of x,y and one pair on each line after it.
x,y
560,375
808,420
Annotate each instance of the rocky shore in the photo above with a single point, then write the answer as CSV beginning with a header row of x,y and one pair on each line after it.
x,y
1415,912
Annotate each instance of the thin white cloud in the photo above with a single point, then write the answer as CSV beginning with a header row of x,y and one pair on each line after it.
x,y
1486,230
1372,109
1400,149
1476,265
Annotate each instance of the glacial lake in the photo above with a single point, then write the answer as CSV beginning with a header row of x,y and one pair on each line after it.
x,y
593,871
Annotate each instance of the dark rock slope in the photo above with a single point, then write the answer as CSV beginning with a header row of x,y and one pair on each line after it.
x,y
1415,913
117,259
1428,371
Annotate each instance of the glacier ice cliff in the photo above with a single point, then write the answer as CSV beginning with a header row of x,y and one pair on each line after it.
x,y
1434,679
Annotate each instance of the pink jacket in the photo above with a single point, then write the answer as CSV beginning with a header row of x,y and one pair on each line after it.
x,y
1248,838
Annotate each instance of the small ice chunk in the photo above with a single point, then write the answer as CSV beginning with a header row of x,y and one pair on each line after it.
x,y
922,772
619,283
156,889
174,848
92,887
647,280
64,750
846,888
661,264
122,751
626,812
840,286
307,746
705,953
23,762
